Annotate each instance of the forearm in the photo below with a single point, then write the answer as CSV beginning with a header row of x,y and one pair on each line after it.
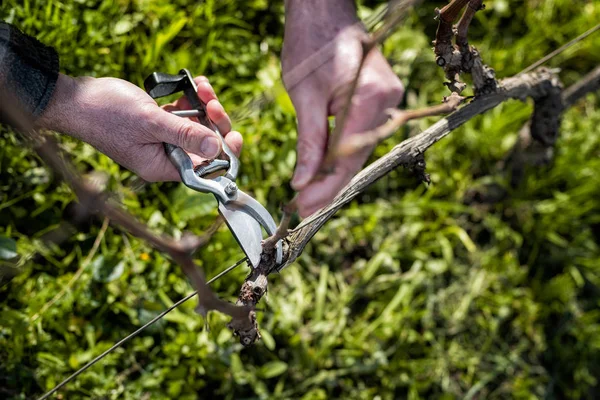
x,y
311,24
319,17
342,9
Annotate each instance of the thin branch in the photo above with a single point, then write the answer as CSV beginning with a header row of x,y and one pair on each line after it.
x,y
334,138
462,29
49,151
283,229
535,143
408,152
370,138
588,84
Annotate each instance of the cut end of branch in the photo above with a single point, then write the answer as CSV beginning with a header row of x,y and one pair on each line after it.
x,y
461,57
283,229
246,329
253,289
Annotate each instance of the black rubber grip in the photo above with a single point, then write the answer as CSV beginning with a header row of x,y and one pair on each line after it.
x,y
159,84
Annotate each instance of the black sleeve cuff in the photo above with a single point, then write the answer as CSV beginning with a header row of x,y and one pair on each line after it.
x,y
28,68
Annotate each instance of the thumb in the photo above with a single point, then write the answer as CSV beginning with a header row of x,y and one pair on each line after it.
x,y
191,136
311,111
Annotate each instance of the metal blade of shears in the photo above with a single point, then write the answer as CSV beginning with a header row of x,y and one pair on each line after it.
x,y
245,229
245,218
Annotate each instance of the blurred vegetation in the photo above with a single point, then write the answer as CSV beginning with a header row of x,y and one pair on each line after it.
x,y
410,292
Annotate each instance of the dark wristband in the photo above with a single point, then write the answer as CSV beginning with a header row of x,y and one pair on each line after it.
x,y
28,69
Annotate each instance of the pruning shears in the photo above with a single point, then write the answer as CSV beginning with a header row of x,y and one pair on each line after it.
x,y
243,214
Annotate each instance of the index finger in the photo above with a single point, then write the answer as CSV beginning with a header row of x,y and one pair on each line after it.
x,y
205,91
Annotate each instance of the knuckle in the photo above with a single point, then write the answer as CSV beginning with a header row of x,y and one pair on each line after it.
x,y
308,147
384,93
185,136
395,90
309,159
388,88
149,122
147,112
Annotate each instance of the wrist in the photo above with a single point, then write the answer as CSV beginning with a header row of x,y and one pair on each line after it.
x,y
311,24
62,105
320,8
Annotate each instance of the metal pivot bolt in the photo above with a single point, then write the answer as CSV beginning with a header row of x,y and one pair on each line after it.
x,y
231,188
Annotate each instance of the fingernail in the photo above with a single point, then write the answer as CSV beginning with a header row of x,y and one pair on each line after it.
x,y
301,177
210,147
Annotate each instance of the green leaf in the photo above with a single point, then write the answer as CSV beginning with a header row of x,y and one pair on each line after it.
x,y
107,270
267,339
273,369
8,248
13,319
50,359
123,26
188,204
282,99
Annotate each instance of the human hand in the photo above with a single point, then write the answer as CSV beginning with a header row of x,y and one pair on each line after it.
x,y
311,25
122,121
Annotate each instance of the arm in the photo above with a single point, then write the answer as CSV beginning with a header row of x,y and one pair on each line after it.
x,y
122,121
311,25
113,115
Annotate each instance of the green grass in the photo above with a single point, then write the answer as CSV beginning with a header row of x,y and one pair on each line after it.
x,y
408,293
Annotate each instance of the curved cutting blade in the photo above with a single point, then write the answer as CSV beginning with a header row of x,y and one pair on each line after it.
x,y
246,230
245,216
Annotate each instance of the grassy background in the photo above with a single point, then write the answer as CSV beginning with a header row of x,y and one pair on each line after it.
x,y
410,292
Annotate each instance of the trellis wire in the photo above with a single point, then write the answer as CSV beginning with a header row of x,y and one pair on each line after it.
x,y
136,332
560,50
370,22
376,18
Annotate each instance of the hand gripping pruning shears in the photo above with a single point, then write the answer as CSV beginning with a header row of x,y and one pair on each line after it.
x,y
243,214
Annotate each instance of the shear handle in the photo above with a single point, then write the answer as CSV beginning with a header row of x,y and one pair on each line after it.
x,y
191,93
160,84
181,160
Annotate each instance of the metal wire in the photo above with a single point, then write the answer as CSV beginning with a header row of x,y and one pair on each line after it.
x,y
136,332
560,49
375,18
